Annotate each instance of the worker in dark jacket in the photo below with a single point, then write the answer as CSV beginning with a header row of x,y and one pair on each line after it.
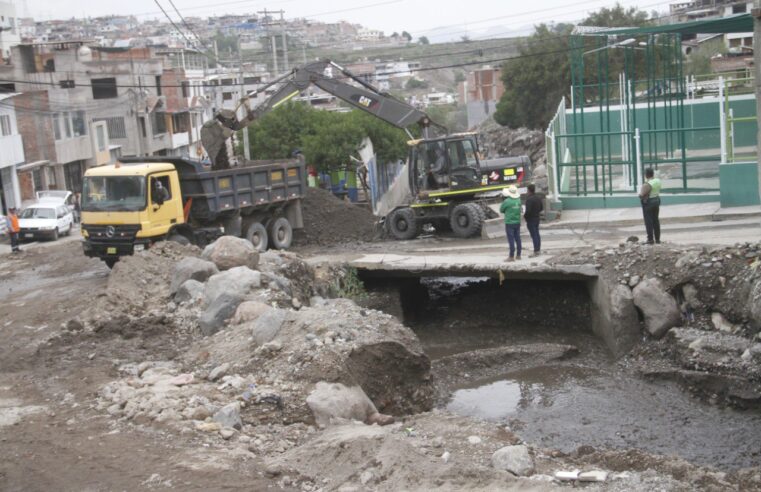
x,y
534,207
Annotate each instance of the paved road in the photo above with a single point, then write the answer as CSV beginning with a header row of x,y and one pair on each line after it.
x,y
5,246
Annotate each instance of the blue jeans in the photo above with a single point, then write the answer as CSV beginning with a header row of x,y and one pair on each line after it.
x,y
533,228
513,232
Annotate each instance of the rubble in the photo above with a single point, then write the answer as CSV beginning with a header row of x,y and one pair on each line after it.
x,y
229,252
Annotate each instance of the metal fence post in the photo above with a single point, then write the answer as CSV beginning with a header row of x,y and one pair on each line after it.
x,y
722,122
638,154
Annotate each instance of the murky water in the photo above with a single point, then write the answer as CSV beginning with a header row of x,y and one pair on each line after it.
x,y
589,399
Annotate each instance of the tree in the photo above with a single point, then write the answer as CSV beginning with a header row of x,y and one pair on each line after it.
x,y
414,83
465,39
326,139
537,79
407,36
423,40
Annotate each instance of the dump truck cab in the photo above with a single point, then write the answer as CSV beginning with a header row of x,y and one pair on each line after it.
x,y
123,209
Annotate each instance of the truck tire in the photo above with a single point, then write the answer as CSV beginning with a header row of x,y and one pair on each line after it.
x,y
402,224
280,233
179,239
466,219
257,235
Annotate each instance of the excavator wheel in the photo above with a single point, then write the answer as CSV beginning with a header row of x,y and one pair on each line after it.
x,y
402,224
466,219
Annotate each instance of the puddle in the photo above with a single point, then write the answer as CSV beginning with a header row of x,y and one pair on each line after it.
x,y
589,399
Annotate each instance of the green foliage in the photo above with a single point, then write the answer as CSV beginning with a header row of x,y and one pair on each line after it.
x,y
326,139
459,77
535,82
349,286
407,36
423,40
450,115
414,83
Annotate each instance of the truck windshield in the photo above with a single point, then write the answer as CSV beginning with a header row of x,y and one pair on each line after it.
x,y
113,193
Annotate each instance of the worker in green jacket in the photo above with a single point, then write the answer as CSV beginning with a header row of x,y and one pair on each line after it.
x,y
511,207
650,196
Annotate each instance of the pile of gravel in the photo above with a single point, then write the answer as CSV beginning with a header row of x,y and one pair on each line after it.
x,y
329,220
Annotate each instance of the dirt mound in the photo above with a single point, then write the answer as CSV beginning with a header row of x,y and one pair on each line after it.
x,y
498,141
329,220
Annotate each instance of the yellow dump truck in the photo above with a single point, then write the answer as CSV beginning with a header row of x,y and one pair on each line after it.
x,y
128,206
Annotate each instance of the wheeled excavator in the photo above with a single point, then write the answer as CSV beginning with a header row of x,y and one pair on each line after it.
x,y
445,183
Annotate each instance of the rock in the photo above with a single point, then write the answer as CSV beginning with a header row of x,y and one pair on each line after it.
x,y
632,239
267,326
540,171
191,268
514,459
690,293
754,303
219,371
658,308
226,433
474,440
278,282
366,477
75,324
229,252
190,291
208,426
335,400
229,416
567,476
249,311
238,280
445,457
215,315
721,324
296,303
633,281
380,419
687,259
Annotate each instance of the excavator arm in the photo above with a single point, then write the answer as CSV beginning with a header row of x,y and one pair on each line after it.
x,y
328,76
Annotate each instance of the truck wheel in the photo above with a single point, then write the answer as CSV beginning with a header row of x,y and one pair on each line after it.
x,y
280,233
402,224
466,220
110,262
257,235
179,238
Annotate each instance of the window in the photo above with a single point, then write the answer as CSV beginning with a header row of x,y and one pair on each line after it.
x,y
180,122
50,175
252,80
100,136
78,123
158,85
738,8
159,122
5,125
162,193
6,87
227,81
142,126
226,96
185,87
67,84
104,88
115,126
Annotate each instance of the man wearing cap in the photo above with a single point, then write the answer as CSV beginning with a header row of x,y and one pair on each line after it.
x,y
511,207
13,229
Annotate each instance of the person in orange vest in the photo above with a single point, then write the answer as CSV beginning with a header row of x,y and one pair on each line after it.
x,y
13,229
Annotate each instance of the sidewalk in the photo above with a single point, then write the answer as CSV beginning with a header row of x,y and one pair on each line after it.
x,y
669,214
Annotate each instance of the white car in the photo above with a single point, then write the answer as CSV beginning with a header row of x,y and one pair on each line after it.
x,y
45,220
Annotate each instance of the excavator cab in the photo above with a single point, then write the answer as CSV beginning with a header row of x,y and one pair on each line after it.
x,y
447,163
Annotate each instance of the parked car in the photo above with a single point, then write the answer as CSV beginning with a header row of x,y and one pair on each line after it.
x,y
45,220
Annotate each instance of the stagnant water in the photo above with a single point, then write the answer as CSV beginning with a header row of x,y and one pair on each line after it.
x,y
589,399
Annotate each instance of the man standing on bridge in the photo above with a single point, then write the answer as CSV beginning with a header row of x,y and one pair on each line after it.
x,y
511,207
534,207
650,197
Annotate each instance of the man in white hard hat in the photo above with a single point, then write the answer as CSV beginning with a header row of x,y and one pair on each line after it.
x,y
511,207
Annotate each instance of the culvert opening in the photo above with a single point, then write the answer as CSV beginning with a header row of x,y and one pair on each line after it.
x,y
522,353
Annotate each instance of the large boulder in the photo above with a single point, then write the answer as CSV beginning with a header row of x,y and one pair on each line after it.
x,y
191,268
239,280
754,303
266,327
513,459
229,416
220,310
190,291
336,401
658,307
229,252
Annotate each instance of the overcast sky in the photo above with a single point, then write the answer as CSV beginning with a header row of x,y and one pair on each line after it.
x,y
432,18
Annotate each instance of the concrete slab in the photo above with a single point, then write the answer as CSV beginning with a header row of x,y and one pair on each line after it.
x,y
493,265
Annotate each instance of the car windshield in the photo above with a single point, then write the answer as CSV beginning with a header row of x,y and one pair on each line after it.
x,y
38,213
113,193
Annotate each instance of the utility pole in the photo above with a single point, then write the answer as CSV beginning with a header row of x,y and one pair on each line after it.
x,y
285,41
273,37
246,150
756,13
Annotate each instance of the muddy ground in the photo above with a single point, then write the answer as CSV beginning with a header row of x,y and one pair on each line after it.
x,y
57,431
